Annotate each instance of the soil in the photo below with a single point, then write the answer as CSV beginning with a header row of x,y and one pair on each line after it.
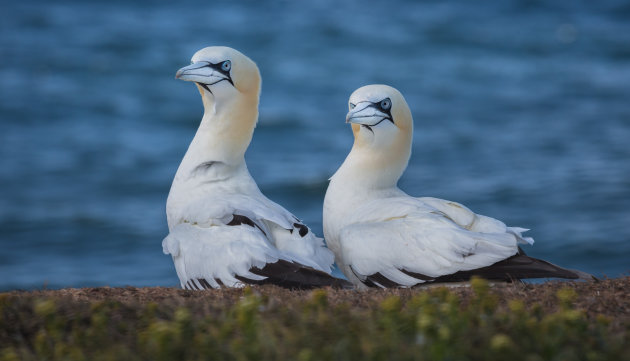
x,y
609,297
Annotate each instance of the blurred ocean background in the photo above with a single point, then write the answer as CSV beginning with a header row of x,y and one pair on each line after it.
x,y
521,108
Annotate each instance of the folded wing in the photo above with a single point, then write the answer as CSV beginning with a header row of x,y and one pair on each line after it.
x,y
405,241
237,240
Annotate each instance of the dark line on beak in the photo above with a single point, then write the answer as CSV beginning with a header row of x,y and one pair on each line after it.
x,y
369,127
380,121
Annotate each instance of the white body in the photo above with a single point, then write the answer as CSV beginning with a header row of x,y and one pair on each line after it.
x,y
212,185
387,231
374,227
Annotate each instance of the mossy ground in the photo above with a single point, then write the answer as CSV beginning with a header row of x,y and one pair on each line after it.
x,y
550,321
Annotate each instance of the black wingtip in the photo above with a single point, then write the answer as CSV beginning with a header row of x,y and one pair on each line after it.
x,y
511,269
517,267
583,275
294,275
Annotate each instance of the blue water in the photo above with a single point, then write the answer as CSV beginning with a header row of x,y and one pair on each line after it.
x,y
522,112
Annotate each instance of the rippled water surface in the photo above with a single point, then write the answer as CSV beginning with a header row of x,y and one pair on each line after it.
x,y
521,112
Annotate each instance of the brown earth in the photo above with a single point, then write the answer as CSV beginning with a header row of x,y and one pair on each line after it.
x,y
609,297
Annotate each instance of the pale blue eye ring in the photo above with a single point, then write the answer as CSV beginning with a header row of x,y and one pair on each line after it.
x,y
226,65
386,104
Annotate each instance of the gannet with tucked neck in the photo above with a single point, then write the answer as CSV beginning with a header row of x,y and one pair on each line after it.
x,y
223,230
383,237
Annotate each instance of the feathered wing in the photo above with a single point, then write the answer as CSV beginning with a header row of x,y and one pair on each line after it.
x,y
466,218
404,241
217,254
239,239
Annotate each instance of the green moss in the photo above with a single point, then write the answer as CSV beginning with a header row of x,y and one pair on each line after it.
x,y
432,324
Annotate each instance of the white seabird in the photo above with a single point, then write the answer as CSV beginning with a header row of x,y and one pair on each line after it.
x,y
222,230
383,237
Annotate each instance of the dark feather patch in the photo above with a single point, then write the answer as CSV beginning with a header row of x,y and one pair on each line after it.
x,y
238,219
293,275
514,268
366,281
192,285
302,229
419,276
204,283
379,279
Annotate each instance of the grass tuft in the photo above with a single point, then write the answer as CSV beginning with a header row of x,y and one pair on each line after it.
x,y
561,322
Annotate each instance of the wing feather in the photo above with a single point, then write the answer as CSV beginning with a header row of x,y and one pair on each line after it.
x,y
409,241
220,242
232,256
283,230
217,252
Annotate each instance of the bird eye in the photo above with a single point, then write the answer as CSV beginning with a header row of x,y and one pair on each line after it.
x,y
352,106
226,65
386,104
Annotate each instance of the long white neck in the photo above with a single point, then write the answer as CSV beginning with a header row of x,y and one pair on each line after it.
x,y
368,173
215,160
225,131
369,168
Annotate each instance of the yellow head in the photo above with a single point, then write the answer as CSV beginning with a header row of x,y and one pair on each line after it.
x,y
229,83
222,75
383,130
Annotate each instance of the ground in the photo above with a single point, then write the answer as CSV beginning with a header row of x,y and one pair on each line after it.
x,y
552,320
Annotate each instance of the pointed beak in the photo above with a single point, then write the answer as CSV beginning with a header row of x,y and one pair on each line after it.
x,y
200,72
366,114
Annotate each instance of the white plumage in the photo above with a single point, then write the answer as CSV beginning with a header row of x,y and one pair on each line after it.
x,y
223,230
383,237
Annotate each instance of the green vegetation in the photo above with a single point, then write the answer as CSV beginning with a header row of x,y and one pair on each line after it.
x,y
257,324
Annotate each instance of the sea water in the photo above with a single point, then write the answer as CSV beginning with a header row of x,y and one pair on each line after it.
x,y
521,108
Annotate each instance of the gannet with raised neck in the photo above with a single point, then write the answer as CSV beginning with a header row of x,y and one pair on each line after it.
x,y
383,237
222,230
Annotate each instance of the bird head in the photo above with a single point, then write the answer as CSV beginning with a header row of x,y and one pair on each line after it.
x,y
383,130
221,73
380,117
229,83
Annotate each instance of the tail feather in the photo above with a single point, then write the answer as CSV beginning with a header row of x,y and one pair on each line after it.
x,y
517,267
294,276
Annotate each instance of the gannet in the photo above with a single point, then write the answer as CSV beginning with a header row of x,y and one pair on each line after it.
x,y
222,230
383,237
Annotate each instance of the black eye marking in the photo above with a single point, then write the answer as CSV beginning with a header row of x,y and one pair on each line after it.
x,y
224,68
384,106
